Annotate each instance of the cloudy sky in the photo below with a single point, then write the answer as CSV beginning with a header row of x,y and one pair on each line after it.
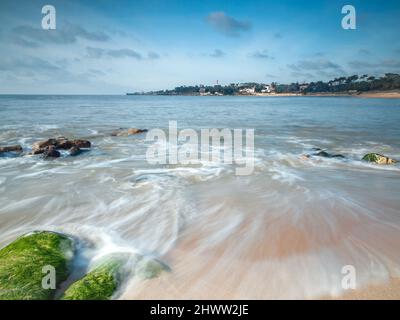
x,y
115,46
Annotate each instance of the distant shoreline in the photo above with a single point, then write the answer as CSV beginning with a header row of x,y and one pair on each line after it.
x,y
369,94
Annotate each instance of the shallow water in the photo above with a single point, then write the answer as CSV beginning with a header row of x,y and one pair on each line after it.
x,y
285,231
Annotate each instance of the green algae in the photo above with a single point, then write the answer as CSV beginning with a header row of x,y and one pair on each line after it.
x,y
378,158
99,284
21,264
149,268
370,157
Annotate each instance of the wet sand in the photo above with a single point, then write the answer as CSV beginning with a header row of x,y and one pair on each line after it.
x,y
371,94
387,291
386,95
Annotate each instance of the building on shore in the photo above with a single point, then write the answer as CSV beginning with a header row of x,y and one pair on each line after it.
x,y
303,86
250,90
268,88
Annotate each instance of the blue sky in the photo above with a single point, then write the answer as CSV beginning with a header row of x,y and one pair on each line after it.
x,y
112,46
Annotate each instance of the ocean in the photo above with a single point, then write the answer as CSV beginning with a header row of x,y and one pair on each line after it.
x,y
286,230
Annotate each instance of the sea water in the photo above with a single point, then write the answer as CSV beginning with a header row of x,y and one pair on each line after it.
x,y
284,231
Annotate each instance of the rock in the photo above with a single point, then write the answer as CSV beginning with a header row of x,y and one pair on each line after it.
x,y
15,148
129,132
100,283
338,156
74,151
321,153
64,144
305,157
378,158
38,151
147,268
43,144
51,152
104,278
48,147
21,264
81,144
328,155
133,131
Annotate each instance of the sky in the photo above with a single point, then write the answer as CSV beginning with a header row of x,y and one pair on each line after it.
x,y
116,46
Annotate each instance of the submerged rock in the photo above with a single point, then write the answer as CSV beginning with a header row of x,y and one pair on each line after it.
x,y
51,152
63,144
40,145
21,264
378,158
328,155
74,151
321,153
128,132
84,144
147,268
100,283
15,148
105,277
133,131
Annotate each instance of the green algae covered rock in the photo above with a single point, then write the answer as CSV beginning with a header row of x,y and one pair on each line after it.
x,y
378,158
105,277
100,283
149,268
22,263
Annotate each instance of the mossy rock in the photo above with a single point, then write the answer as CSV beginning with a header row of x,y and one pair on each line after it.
x,y
378,158
21,264
100,283
147,268
104,278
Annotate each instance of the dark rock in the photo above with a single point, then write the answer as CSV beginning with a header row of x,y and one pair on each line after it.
x,y
51,152
48,147
82,144
42,144
64,144
321,153
15,148
74,151
328,155
128,132
340,156
38,151
133,131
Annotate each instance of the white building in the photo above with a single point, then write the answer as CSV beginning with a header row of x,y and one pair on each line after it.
x,y
267,89
248,90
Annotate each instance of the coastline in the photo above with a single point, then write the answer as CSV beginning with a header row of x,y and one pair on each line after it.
x,y
373,94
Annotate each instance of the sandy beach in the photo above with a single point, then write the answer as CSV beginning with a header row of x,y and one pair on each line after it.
x,y
387,291
383,94
371,94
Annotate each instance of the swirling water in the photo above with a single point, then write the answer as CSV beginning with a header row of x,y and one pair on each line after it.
x,y
284,231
